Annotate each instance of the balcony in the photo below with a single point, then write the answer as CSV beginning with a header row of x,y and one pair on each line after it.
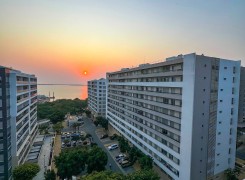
x,y
22,100
22,82
33,101
22,91
22,107
19,117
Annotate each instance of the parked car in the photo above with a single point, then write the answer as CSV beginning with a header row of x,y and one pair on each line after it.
x,y
68,136
63,145
112,147
119,157
114,136
79,143
73,143
104,136
126,163
123,159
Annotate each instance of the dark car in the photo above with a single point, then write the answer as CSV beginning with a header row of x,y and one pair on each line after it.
x,y
119,157
123,159
79,119
126,163
114,136
104,136
74,143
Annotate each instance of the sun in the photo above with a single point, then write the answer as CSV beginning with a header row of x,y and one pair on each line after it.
x,y
85,73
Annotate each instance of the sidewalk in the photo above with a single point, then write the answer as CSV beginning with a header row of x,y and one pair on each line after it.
x,y
56,150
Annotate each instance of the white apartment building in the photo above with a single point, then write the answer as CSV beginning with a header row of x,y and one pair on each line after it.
x,y
182,112
97,97
18,117
241,114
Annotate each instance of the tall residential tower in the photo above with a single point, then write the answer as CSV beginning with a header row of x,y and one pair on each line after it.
x,y
18,118
97,97
241,114
182,112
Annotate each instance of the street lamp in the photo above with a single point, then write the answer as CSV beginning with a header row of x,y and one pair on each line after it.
x,y
44,163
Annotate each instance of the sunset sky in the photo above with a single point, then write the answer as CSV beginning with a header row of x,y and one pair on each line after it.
x,y
58,40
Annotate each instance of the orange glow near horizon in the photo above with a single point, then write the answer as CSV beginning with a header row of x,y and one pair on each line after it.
x,y
72,43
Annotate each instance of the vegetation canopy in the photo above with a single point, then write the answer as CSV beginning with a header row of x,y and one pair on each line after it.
x,y
56,111
26,171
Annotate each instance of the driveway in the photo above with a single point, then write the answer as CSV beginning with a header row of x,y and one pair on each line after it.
x,y
43,159
90,128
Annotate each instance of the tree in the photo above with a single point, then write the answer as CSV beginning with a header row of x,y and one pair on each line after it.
x,y
97,159
55,111
143,175
102,121
75,125
232,174
88,113
57,116
58,127
75,138
26,171
123,144
108,175
70,162
145,162
134,154
43,128
50,175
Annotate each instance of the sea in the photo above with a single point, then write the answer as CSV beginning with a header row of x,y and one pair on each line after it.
x,y
63,91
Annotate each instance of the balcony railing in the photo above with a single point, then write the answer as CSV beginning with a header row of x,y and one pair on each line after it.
x,y
23,99
22,82
22,90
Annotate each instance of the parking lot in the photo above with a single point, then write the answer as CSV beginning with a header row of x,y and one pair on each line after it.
x,y
113,153
72,138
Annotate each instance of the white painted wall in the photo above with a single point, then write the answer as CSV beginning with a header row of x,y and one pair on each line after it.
x,y
224,115
187,115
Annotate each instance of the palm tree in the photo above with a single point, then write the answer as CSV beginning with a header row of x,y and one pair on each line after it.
x,y
75,125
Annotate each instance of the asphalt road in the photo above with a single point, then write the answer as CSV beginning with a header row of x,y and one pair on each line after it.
x,y
43,159
90,128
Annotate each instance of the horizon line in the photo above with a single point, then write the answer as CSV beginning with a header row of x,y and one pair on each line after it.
x,y
51,84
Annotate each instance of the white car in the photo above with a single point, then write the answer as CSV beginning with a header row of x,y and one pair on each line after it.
x,y
113,146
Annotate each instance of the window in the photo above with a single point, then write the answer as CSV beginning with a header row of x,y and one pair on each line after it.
x,y
225,67
1,168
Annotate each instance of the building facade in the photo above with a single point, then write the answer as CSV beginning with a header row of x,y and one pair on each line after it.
x,y
182,112
241,115
97,97
18,118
